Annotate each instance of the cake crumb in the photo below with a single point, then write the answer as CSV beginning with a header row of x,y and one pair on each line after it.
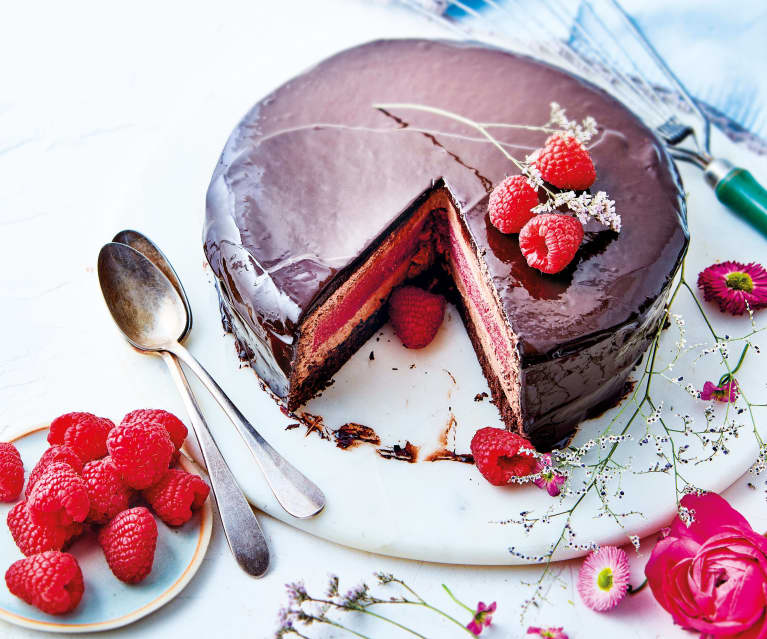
x,y
480,396
412,366
292,426
408,452
372,356
313,424
451,376
352,434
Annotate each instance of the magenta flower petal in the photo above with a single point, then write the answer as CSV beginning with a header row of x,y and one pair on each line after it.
x,y
727,392
474,627
734,285
482,618
548,633
603,579
549,480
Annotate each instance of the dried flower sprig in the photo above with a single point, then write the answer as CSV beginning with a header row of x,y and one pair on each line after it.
x,y
304,609
593,468
585,206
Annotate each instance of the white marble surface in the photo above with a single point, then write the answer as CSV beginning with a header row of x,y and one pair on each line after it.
x,y
115,118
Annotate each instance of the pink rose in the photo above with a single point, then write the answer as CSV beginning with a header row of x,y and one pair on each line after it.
x,y
712,576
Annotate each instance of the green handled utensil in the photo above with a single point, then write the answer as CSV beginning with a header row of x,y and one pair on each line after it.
x,y
737,189
599,41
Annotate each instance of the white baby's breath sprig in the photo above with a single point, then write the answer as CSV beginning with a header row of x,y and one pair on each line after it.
x,y
582,132
533,175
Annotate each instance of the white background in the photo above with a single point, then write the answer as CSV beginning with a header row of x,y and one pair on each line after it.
x,y
100,107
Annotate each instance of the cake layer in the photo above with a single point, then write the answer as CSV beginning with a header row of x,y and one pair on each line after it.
x,y
313,179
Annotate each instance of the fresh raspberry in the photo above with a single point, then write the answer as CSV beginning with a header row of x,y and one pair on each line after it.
x,y
511,203
141,452
107,492
59,497
32,537
51,581
496,454
175,427
415,315
11,472
85,433
129,542
65,454
176,495
565,163
550,241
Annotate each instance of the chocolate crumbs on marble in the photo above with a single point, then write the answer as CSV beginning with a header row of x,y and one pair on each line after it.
x,y
351,435
408,452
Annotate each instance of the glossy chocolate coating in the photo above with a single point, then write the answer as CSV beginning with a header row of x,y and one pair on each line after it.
x,y
313,174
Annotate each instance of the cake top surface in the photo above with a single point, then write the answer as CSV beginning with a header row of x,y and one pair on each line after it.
x,y
313,174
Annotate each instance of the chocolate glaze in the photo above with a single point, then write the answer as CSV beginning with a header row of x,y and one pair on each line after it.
x,y
313,175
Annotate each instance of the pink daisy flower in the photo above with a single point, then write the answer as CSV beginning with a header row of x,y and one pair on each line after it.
x,y
549,633
549,479
732,285
482,618
604,578
726,392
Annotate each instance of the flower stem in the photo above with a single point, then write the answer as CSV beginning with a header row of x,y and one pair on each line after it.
x,y
639,588
728,376
459,602
392,622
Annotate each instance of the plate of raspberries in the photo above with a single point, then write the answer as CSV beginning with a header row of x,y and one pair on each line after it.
x,y
103,523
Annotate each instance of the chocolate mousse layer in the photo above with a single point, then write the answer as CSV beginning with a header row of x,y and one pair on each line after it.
x,y
316,192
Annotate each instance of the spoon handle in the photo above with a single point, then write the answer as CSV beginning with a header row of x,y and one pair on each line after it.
x,y
296,494
243,532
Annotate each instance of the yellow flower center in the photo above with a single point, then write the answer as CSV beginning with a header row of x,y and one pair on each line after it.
x,y
605,579
740,281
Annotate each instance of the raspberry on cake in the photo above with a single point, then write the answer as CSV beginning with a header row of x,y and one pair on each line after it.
x,y
375,201
85,433
550,241
51,581
129,543
11,472
510,205
141,452
565,163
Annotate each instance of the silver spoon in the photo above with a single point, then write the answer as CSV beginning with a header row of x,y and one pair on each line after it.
x,y
243,532
152,317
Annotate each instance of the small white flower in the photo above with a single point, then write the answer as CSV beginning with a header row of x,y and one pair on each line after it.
x,y
534,178
563,198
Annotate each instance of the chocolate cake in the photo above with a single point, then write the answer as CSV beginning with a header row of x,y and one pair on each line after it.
x,y
321,204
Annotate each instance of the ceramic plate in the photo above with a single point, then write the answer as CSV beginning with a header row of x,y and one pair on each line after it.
x,y
107,602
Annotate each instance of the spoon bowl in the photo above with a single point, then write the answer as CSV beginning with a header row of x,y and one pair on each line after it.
x,y
142,301
152,252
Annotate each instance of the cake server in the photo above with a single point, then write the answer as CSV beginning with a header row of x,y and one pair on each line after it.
x,y
599,41
241,528
151,314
